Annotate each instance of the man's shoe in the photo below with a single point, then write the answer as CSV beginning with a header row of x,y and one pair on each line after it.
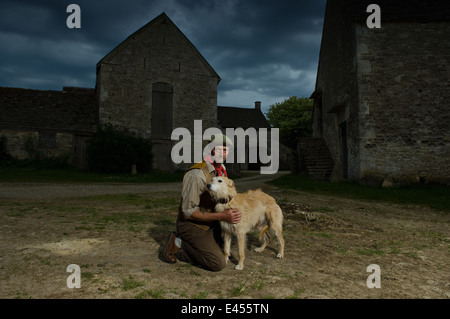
x,y
170,249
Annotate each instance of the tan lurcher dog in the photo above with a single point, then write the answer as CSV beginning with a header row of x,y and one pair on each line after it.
x,y
258,209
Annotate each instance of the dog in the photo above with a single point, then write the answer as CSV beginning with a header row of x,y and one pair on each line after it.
x,y
259,210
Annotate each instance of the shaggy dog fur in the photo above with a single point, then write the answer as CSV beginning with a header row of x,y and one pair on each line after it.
x,y
258,209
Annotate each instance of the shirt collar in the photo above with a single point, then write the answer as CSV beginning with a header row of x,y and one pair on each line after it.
x,y
211,167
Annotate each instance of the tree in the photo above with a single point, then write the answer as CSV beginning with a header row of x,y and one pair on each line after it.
x,y
293,118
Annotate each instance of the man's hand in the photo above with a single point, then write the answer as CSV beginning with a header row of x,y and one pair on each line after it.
x,y
232,216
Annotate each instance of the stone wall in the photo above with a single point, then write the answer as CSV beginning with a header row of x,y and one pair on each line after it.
x,y
403,74
71,110
389,88
46,123
26,144
337,90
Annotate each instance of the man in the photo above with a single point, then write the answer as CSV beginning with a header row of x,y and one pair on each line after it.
x,y
197,223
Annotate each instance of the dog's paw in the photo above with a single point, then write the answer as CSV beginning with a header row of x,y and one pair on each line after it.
x,y
280,255
227,260
259,249
239,267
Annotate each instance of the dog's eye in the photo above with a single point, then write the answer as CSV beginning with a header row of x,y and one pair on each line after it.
x,y
220,181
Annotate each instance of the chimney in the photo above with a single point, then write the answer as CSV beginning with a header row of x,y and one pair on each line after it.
x,y
258,105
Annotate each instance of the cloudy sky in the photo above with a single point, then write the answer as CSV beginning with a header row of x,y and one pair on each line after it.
x,y
263,50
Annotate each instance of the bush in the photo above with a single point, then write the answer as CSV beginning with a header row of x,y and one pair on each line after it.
x,y
5,157
112,150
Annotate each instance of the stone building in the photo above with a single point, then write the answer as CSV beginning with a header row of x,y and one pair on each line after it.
x,y
156,77
381,101
151,83
48,123
155,81
248,118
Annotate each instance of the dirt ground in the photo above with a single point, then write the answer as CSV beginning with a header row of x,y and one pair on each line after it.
x,y
114,233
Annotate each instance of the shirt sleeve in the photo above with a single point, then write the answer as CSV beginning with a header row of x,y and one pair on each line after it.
x,y
194,184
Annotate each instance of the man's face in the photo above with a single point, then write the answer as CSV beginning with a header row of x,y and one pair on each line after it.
x,y
219,154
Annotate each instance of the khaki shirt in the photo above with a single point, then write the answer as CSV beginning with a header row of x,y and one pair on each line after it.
x,y
194,184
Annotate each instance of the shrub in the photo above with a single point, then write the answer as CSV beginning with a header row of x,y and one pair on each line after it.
x,y
5,157
113,150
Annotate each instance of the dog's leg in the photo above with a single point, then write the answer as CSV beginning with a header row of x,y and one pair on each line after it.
x,y
278,229
241,246
226,244
263,236
276,224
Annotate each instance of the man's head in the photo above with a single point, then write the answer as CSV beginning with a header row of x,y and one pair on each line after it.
x,y
220,145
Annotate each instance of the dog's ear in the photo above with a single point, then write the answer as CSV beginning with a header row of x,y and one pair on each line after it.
x,y
230,183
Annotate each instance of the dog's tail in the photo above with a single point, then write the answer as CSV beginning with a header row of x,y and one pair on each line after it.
x,y
263,232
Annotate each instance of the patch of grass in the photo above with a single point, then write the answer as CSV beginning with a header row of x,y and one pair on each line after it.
x,y
12,174
434,196
137,200
130,283
258,285
201,295
325,235
238,290
340,250
369,252
324,209
22,295
87,275
296,294
156,293
412,255
435,236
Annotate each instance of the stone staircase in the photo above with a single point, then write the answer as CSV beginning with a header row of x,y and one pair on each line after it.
x,y
315,158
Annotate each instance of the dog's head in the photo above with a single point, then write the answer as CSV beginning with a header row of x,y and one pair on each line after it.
x,y
221,189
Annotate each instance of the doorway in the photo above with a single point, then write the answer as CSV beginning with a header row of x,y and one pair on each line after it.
x,y
344,151
162,105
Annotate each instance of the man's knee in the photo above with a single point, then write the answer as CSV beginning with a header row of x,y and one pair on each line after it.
x,y
216,263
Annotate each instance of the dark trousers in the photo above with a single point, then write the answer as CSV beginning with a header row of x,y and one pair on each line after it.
x,y
200,247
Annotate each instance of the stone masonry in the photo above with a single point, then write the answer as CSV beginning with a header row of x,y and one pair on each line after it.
x,y
381,97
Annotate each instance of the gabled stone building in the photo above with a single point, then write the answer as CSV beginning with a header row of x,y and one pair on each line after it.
x,y
155,81
381,101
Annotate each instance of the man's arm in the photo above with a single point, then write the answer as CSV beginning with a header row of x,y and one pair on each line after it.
x,y
194,183
232,216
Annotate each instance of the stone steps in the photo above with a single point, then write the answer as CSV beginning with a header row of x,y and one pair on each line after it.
x,y
315,159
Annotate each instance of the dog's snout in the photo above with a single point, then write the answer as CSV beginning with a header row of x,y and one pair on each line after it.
x,y
208,186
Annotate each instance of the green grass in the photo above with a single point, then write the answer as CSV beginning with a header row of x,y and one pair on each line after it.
x,y
434,196
74,176
131,283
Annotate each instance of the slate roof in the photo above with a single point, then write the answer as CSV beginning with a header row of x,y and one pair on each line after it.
x,y
72,110
235,117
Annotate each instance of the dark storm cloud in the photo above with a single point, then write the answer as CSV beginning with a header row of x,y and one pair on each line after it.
x,y
262,50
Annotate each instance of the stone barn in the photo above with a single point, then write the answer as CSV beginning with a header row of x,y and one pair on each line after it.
x,y
155,81
381,101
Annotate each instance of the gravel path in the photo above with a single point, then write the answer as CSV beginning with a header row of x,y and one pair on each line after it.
x,y
63,190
